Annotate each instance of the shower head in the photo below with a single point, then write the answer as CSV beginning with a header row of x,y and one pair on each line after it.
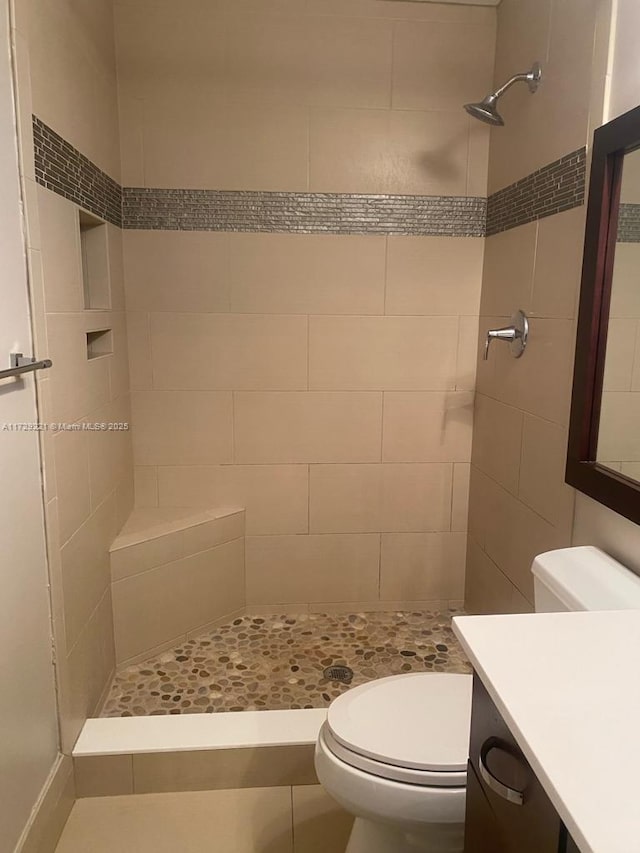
x,y
486,110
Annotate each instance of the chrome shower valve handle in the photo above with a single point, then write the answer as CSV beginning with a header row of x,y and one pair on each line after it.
x,y
515,335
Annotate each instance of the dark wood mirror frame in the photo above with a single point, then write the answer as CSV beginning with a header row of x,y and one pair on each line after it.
x,y
620,493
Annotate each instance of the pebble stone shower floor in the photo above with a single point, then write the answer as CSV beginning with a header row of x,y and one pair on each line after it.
x,y
278,662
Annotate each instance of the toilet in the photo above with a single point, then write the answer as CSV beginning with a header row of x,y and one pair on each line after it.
x,y
393,752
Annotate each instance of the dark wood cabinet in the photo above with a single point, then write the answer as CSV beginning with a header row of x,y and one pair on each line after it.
x,y
508,811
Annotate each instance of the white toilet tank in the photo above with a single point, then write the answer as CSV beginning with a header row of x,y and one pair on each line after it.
x,y
583,578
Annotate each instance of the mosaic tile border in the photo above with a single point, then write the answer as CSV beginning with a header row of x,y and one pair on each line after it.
x,y
303,213
62,168
629,223
556,187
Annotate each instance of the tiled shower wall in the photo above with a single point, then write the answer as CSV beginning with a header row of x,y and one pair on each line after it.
x,y
519,504
66,75
324,380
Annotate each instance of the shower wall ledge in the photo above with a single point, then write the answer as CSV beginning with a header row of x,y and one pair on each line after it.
x,y
175,573
197,752
184,733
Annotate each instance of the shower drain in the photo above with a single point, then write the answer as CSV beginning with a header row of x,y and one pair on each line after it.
x,y
339,673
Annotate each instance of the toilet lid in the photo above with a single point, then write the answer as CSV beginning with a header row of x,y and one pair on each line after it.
x,y
419,720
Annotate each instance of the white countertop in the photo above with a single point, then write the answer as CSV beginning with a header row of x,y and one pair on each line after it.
x,y
568,687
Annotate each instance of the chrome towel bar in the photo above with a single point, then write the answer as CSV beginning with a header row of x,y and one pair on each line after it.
x,y
20,365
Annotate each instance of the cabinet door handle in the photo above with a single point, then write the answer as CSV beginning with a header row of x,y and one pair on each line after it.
x,y
512,795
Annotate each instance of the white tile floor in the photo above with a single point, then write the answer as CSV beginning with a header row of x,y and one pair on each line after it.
x,y
252,820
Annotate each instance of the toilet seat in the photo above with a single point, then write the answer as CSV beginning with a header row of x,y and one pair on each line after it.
x,y
410,728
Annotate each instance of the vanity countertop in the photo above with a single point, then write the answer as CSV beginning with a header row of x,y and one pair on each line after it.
x,y
568,687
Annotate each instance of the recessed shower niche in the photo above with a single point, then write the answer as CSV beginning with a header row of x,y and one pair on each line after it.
x,y
94,252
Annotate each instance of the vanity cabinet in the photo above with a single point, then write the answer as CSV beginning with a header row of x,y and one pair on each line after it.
x,y
507,809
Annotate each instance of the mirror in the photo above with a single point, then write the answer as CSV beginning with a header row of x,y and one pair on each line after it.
x,y
619,433
603,458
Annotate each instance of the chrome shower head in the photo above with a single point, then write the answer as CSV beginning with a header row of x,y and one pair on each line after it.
x,y
486,110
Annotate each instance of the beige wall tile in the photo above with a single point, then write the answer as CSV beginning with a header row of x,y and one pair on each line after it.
x,y
339,51
478,167
497,441
427,426
371,498
542,472
460,500
558,264
227,352
275,496
73,76
387,353
307,273
235,818
119,361
380,151
139,348
90,667
135,558
320,825
434,275
550,33
181,427
540,382
71,460
176,271
508,271
429,152
207,534
487,589
635,378
267,58
60,247
85,568
469,347
625,300
515,535
103,775
131,118
78,386
618,438
158,605
110,451
291,569
267,147
146,486
480,490
184,135
288,427
216,769
621,348
486,369
168,48
348,150
115,252
403,11
422,565
53,810
456,58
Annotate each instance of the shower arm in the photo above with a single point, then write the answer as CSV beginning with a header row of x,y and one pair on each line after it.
x,y
517,78
532,78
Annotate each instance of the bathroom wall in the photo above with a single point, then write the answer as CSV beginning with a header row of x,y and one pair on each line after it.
x,y
303,256
66,77
596,524
519,503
